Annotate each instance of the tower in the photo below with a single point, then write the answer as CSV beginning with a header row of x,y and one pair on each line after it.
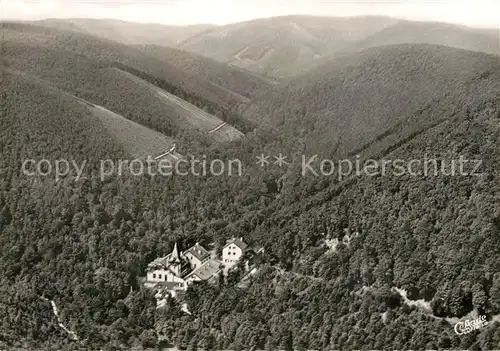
x,y
175,261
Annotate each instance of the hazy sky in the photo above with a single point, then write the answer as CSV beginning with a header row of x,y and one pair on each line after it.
x,y
481,13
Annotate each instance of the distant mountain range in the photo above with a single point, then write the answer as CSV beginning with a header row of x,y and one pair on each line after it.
x,y
284,46
128,32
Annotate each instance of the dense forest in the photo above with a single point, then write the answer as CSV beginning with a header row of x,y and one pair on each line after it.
x,y
235,79
27,44
343,105
437,238
85,244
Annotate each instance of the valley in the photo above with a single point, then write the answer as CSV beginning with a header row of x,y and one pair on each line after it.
x,y
366,262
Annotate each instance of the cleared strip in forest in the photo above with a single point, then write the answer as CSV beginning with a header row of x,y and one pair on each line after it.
x,y
197,100
197,117
194,116
138,140
202,120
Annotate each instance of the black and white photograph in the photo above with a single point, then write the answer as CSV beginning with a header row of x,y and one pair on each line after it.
x,y
249,175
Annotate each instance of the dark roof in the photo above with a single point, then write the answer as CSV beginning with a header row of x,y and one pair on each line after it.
x,y
159,262
206,271
198,251
238,242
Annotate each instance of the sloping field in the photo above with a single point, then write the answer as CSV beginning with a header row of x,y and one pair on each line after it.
x,y
192,116
203,120
137,140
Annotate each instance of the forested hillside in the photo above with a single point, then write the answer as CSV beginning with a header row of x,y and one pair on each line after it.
x,y
240,83
344,104
436,237
26,37
335,252
135,139
70,240
92,69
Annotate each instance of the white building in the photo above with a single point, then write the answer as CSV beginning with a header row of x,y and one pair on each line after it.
x,y
197,256
169,269
232,252
174,272
177,270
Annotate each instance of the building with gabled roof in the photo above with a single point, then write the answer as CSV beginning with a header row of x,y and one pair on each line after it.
x,y
169,269
238,242
233,251
176,270
205,272
197,255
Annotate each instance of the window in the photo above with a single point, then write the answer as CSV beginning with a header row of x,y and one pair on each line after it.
x,y
194,266
159,276
154,276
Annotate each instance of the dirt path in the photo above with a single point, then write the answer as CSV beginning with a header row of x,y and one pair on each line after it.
x,y
72,335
